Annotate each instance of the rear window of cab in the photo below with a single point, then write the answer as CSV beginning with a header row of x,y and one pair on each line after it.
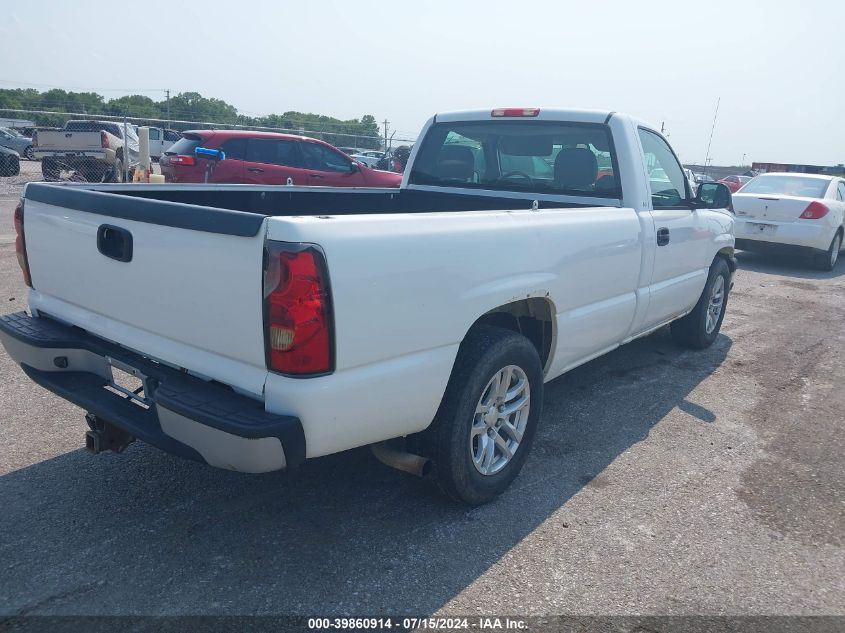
x,y
521,156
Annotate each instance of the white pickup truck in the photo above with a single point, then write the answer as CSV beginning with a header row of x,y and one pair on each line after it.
x,y
253,327
92,151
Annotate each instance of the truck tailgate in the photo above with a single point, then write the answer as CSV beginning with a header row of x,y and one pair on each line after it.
x,y
60,140
190,296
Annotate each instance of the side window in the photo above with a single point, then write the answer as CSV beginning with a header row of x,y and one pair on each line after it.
x,y
234,148
272,152
666,176
840,191
155,134
321,158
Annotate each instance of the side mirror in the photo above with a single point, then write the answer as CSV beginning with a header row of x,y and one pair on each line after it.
x,y
713,195
354,166
210,154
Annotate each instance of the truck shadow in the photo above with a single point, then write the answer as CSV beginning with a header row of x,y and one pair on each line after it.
x,y
794,266
144,532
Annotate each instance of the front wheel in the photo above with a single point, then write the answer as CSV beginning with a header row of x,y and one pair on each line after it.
x,y
827,261
483,431
700,327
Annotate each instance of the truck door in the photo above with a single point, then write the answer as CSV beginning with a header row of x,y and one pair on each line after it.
x,y
680,269
155,142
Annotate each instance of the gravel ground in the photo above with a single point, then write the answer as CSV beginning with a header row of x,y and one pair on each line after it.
x,y
663,481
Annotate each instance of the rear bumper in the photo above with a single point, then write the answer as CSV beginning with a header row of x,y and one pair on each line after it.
x,y
186,416
806,233
69,156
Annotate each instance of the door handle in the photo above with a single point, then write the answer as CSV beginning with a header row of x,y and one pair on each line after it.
x,y
316,176
662,236
255,170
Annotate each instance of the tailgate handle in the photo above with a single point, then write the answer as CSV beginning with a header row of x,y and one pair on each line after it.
x,y
114,242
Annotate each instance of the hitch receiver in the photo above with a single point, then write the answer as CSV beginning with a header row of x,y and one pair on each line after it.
x,y
104,436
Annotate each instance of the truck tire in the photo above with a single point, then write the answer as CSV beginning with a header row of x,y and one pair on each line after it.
x,y
483,431
700,327
827,261
116,174
50,169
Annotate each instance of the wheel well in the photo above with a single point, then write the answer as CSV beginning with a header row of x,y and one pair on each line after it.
x,y
727,254
530,317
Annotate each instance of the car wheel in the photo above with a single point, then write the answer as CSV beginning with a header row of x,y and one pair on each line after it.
x,y
700,327
29,153
483,430
827,260
116,174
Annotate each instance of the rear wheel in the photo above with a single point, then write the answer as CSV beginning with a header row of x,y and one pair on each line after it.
x,y
828,259
483,430
116,174
700,327
29,153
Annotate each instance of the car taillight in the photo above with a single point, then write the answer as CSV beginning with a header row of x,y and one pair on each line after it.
x,y
515,112
814,211
104,139
20,244
181,159
298,328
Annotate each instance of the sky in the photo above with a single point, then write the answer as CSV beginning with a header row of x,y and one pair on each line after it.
x,y
777,68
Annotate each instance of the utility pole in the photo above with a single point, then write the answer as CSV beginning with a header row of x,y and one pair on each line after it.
x,y
167,92
386,123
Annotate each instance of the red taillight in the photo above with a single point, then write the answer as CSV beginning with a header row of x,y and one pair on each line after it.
x,y
298,321
515,112
815,211
20,244
104,139
182,160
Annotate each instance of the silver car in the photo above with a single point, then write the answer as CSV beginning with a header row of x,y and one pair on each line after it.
x,y
15,140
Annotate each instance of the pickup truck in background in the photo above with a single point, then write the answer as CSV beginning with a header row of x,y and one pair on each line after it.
x,y
91,151
253,327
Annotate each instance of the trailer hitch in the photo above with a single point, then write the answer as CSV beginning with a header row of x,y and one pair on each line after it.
x,y
104,436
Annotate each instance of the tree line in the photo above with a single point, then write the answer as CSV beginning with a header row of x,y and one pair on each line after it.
x,y
186,106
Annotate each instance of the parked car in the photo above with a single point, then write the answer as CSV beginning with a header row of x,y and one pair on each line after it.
x,y
734,183
266,158
254,326
788,212
9,162
13,139
370,158
160,140
94,151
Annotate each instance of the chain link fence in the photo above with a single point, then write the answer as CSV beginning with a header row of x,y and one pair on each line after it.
x,y
79,147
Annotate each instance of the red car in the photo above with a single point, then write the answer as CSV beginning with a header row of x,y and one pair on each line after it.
x,y
734,182
267,158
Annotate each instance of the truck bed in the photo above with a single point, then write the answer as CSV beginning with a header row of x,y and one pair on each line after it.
x,y
234,209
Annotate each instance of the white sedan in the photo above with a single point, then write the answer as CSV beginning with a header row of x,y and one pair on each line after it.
x,y
792,213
